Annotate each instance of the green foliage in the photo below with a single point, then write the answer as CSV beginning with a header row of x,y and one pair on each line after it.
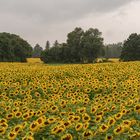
x,y
113,50
81,47
47,45
13,48
131,48
37,51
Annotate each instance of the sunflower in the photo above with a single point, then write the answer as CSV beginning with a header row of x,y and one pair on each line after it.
x,y
51,120
12,135
54,109
4,125
98,119
67,137
40,121
7,108
24,124
26,116
59,130
137,108
34,126
62,114
85,125
109,137
126,124
78,126
93,109
133,122
87,90
118,130
118,116
46,123
17,128
101,113
103,128
2,131
87,133
3,120
123,111
67,124
18,114
28,138
9,116
111,121
76,118
85,117
81,110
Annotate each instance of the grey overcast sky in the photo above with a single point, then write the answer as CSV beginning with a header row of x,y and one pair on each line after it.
x,y
39,20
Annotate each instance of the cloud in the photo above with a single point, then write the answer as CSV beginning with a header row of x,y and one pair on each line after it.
x,y
54,10
41,20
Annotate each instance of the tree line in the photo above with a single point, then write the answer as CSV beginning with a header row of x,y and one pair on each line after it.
x,y
13,48
81,47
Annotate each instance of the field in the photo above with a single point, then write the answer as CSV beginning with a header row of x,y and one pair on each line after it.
x,y
79,102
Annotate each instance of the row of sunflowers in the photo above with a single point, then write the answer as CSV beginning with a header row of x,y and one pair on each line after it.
x,y
70,102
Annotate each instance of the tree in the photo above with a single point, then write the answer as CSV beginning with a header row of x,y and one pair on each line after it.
x,y
131,48
37,51
56,44
47,47
113,50
81,47
92,44
13,48
74,43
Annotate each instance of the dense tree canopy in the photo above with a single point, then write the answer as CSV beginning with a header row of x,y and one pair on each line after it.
x,y
81,47
131,48
47,45
37,51
113,50
13,48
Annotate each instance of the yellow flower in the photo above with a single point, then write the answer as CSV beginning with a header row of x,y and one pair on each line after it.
x,y
67,137
12,135
126,123
4,125
98,119
18,114
109,137
34,126
2,131
58,130
3,120
40,121
17,128
9,116
81,110
118,116
111,121
28,138
103,128
137,108
85,125
51,120
76,118
26,116
67,124
85,117
78,126
118,130
93,109
87,133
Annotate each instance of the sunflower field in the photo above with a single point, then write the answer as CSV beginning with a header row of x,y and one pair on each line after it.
x,y
70,102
